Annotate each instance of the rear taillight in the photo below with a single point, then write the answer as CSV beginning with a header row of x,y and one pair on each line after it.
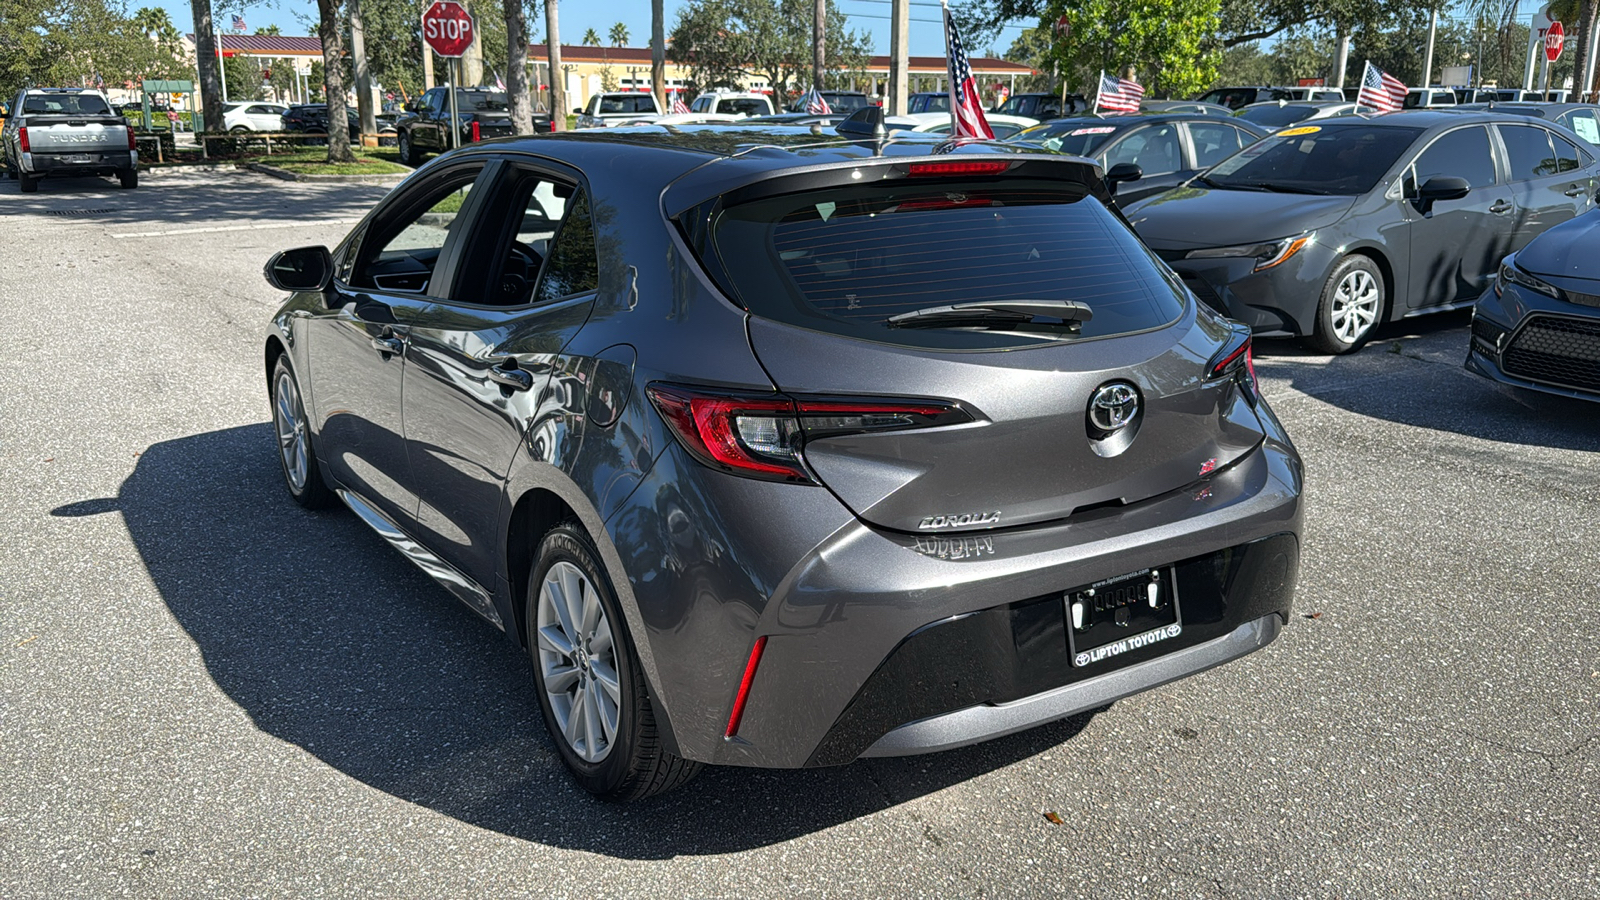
x,y
477,134
131,145
1237,359
22,139
763,435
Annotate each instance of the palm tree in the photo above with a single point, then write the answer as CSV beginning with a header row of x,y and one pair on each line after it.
x,y
591,38
270,29
658,53
156,24
619,35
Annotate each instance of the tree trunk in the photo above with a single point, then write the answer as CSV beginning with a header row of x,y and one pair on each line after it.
x,y
333,81
517,67
658,53
205,51
358,57
1586,23
818,54
558,90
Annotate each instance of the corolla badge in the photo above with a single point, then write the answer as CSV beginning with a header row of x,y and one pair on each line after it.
x,y
1113,406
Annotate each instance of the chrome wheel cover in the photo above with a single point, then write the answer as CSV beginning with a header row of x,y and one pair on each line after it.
x,y
288,416
1356,302
578,662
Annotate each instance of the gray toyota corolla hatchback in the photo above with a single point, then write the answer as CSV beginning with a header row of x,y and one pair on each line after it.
x,y
781,450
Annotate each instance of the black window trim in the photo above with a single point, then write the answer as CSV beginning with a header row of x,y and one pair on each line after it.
x,y
1548,136
1502,165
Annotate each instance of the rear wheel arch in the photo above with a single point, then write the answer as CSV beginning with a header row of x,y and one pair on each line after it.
x,y
535,513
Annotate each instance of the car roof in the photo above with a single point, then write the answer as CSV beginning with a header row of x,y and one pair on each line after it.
x,y
1139,118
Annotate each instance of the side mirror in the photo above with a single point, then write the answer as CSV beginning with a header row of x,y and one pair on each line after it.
x,y
301,269
1443,187
1123,172
577,110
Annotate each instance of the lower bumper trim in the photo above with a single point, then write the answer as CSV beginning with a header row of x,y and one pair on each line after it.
x,y
975,724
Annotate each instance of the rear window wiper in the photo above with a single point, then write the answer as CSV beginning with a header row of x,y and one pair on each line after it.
x,y
999,315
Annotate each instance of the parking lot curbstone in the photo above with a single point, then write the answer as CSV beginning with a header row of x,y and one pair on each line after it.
x,y
286,175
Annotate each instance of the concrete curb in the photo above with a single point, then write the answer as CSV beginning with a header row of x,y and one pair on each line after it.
x,y
286,175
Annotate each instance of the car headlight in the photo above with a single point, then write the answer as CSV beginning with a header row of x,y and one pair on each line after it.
x,y
1510,274
1267,254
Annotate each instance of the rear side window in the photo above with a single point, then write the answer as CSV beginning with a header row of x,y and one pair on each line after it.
x,y
1528,151
844,260
1583,122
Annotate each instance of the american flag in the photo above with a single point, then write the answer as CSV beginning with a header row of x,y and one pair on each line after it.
x,y
1380,90
966,112
678,106
815,104
1118,95
238,23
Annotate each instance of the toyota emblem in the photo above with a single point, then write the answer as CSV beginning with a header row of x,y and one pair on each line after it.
x,y
1113,406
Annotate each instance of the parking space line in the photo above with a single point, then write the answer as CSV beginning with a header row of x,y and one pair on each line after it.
x,y
213,229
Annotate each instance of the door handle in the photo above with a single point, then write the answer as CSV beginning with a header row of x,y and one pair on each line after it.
x,y
508,375
388,345
1500,207
1574,190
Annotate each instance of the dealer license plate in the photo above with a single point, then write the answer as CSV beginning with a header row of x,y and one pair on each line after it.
x,y
1111,617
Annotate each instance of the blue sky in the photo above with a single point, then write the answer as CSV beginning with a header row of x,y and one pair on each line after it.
x,y
577,16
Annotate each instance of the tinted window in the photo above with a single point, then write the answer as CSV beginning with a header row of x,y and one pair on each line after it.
x,y
475,100
1153,149
1073,138
1584,124
406,245
846,259
700,104
845,102
1345,159
1528,152
1463,153
1276,116
634,103
743,106
1213,142
1567,153
65,105
573,266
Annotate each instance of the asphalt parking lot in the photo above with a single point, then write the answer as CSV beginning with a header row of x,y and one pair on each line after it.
x,y
205,691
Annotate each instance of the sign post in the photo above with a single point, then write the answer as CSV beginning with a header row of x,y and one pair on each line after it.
x,y
449,29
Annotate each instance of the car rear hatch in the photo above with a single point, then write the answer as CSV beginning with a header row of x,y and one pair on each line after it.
x,y
1048,417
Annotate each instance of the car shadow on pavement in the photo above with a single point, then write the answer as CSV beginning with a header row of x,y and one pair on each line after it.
x,y
331,641
208,197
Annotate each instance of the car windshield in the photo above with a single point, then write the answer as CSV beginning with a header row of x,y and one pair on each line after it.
x,y
846,102
627,105
1276,116
1071,138
65,105
1344,159
482,100
846,259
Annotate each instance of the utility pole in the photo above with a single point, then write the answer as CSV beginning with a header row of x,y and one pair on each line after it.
x,y
427,65
1342,58
358,53
818,29
558,94
658,53
899,55
1427,58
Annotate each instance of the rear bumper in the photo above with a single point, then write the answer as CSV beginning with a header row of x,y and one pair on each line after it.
x,y
54,163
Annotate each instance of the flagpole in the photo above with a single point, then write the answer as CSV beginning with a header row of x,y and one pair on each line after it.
x,y
949,73
1098,86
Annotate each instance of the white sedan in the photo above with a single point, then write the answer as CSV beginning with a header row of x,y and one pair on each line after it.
x,y
254,116
1003,126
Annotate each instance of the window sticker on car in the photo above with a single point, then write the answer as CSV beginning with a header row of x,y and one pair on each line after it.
x,y
1303,129
1586,128
1103,129
826,208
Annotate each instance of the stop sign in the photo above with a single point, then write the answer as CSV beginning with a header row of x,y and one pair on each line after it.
x,y
448,28
1554,39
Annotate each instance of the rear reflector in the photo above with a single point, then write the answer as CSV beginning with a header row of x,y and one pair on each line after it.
x,y
744,687
941,169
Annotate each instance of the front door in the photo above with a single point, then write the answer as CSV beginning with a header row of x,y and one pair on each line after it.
x,y
481,368
1154,149
1456,245
402,263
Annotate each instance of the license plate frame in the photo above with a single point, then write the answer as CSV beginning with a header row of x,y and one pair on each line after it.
x,y
78,158
1118,615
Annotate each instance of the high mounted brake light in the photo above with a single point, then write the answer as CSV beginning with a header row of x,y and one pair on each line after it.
x,y
762,435
942,169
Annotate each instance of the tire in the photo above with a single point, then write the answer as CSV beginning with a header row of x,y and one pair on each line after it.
x,y
238,129
611,745
28,183
1351,307
301,474
129,178
408,156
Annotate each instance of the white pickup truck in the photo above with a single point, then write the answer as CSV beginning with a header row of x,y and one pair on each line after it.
x,y
66,131
616,107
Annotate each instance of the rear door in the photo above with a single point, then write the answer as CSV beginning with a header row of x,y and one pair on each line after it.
x,y
1550,181
484,367
847,258
1213,142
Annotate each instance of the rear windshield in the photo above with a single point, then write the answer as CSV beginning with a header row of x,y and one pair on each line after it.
x,y
844,260
1275,116
743,106
643,103
64,105
1311,159
846,102
466,99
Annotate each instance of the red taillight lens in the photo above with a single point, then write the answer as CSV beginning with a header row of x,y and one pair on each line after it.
x,y
22,139
744,687
761,435
131,144
941,169
477,135
1238,358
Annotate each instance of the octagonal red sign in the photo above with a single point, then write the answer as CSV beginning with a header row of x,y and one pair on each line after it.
x,y
448,28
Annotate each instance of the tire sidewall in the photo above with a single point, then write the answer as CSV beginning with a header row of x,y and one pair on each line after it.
x,y
313,494
568,543
1327,338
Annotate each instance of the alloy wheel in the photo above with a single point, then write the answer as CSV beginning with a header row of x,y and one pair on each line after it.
x,y
289,419
578,661
1355,305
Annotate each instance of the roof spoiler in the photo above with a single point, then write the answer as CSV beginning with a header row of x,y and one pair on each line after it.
x,y
866,122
